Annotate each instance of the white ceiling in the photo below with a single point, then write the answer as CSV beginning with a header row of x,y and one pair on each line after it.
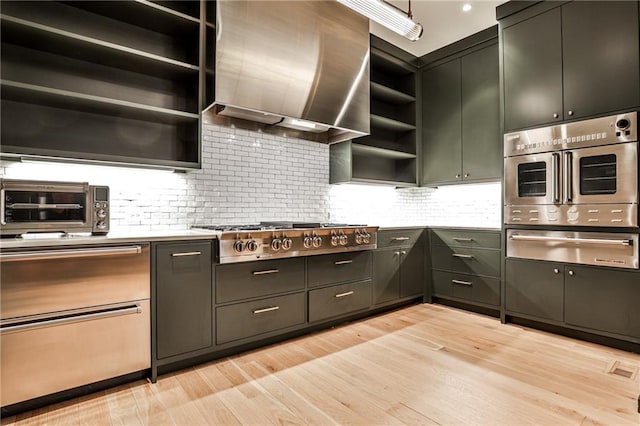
x,y
443,21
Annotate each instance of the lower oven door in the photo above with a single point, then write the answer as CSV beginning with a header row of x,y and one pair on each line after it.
x,y
44,355
588,248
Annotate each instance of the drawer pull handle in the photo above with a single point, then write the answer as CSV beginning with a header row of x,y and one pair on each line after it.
x,y
265,272
399,238
463,256
463,240
263,310
468,283
135,309
186,253
342,262
345,294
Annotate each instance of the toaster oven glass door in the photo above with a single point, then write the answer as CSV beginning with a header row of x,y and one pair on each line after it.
x,y
32,207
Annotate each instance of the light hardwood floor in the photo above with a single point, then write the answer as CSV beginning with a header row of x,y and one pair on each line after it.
x,y
424,364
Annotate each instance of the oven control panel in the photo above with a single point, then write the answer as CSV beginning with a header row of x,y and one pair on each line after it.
x,y
613,129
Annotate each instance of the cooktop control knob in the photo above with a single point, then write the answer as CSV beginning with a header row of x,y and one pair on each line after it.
x,y
366,238
334,240
286,243
252,245
238,246
308,242
358,238
317,241
276,244
343,240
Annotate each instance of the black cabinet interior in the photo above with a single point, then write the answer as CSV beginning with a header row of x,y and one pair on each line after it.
x,y
106,81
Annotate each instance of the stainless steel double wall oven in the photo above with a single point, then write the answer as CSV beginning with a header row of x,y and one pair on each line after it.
x,y
571,192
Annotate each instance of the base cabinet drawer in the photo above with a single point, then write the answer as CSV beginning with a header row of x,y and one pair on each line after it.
x,y
238,281
339,300
467,261
37,360
396,237
249,319
337,268
468,287
465,238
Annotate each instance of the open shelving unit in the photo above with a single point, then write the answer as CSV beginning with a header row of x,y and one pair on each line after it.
x,y
103,81
388,155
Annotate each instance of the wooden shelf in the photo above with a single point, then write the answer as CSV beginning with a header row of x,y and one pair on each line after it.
x,y
42,37
103,81
144,14
29,93
390,124
390,95
361,149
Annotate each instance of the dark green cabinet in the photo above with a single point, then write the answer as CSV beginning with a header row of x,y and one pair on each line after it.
x,y
535,289
183,297
441,119
460,119
465,266
577,60
398,270
598,300
603,299
532,71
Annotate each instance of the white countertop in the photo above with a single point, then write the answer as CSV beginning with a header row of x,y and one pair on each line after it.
x,y
114,237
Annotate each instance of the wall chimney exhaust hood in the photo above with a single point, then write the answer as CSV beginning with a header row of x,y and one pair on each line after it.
x,y
292,68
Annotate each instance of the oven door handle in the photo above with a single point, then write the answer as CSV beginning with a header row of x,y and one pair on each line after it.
x,y
608,242
3,220
68,254
555,177
29,206
568,177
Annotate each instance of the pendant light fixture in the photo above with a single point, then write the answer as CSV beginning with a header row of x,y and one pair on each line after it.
x,y
387,15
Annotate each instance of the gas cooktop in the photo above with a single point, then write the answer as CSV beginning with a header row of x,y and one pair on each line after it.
x,y
266,226
272,240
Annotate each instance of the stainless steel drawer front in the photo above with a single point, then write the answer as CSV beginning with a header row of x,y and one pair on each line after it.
x,y
60,280
51,356
588,248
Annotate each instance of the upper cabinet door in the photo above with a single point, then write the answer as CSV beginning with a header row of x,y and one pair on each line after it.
x,y
532,62
441,123
482,144
600,50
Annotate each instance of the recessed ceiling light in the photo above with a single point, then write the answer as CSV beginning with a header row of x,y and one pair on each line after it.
x,y
466,7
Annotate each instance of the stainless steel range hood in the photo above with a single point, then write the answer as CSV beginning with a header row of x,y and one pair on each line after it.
x,y
294,68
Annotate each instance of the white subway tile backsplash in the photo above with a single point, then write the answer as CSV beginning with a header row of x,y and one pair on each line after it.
x,y
248,176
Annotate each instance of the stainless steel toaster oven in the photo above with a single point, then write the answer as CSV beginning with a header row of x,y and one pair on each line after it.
x,y
28,206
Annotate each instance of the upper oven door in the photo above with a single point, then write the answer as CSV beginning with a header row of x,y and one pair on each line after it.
x,y
602,175
532,179
27,207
